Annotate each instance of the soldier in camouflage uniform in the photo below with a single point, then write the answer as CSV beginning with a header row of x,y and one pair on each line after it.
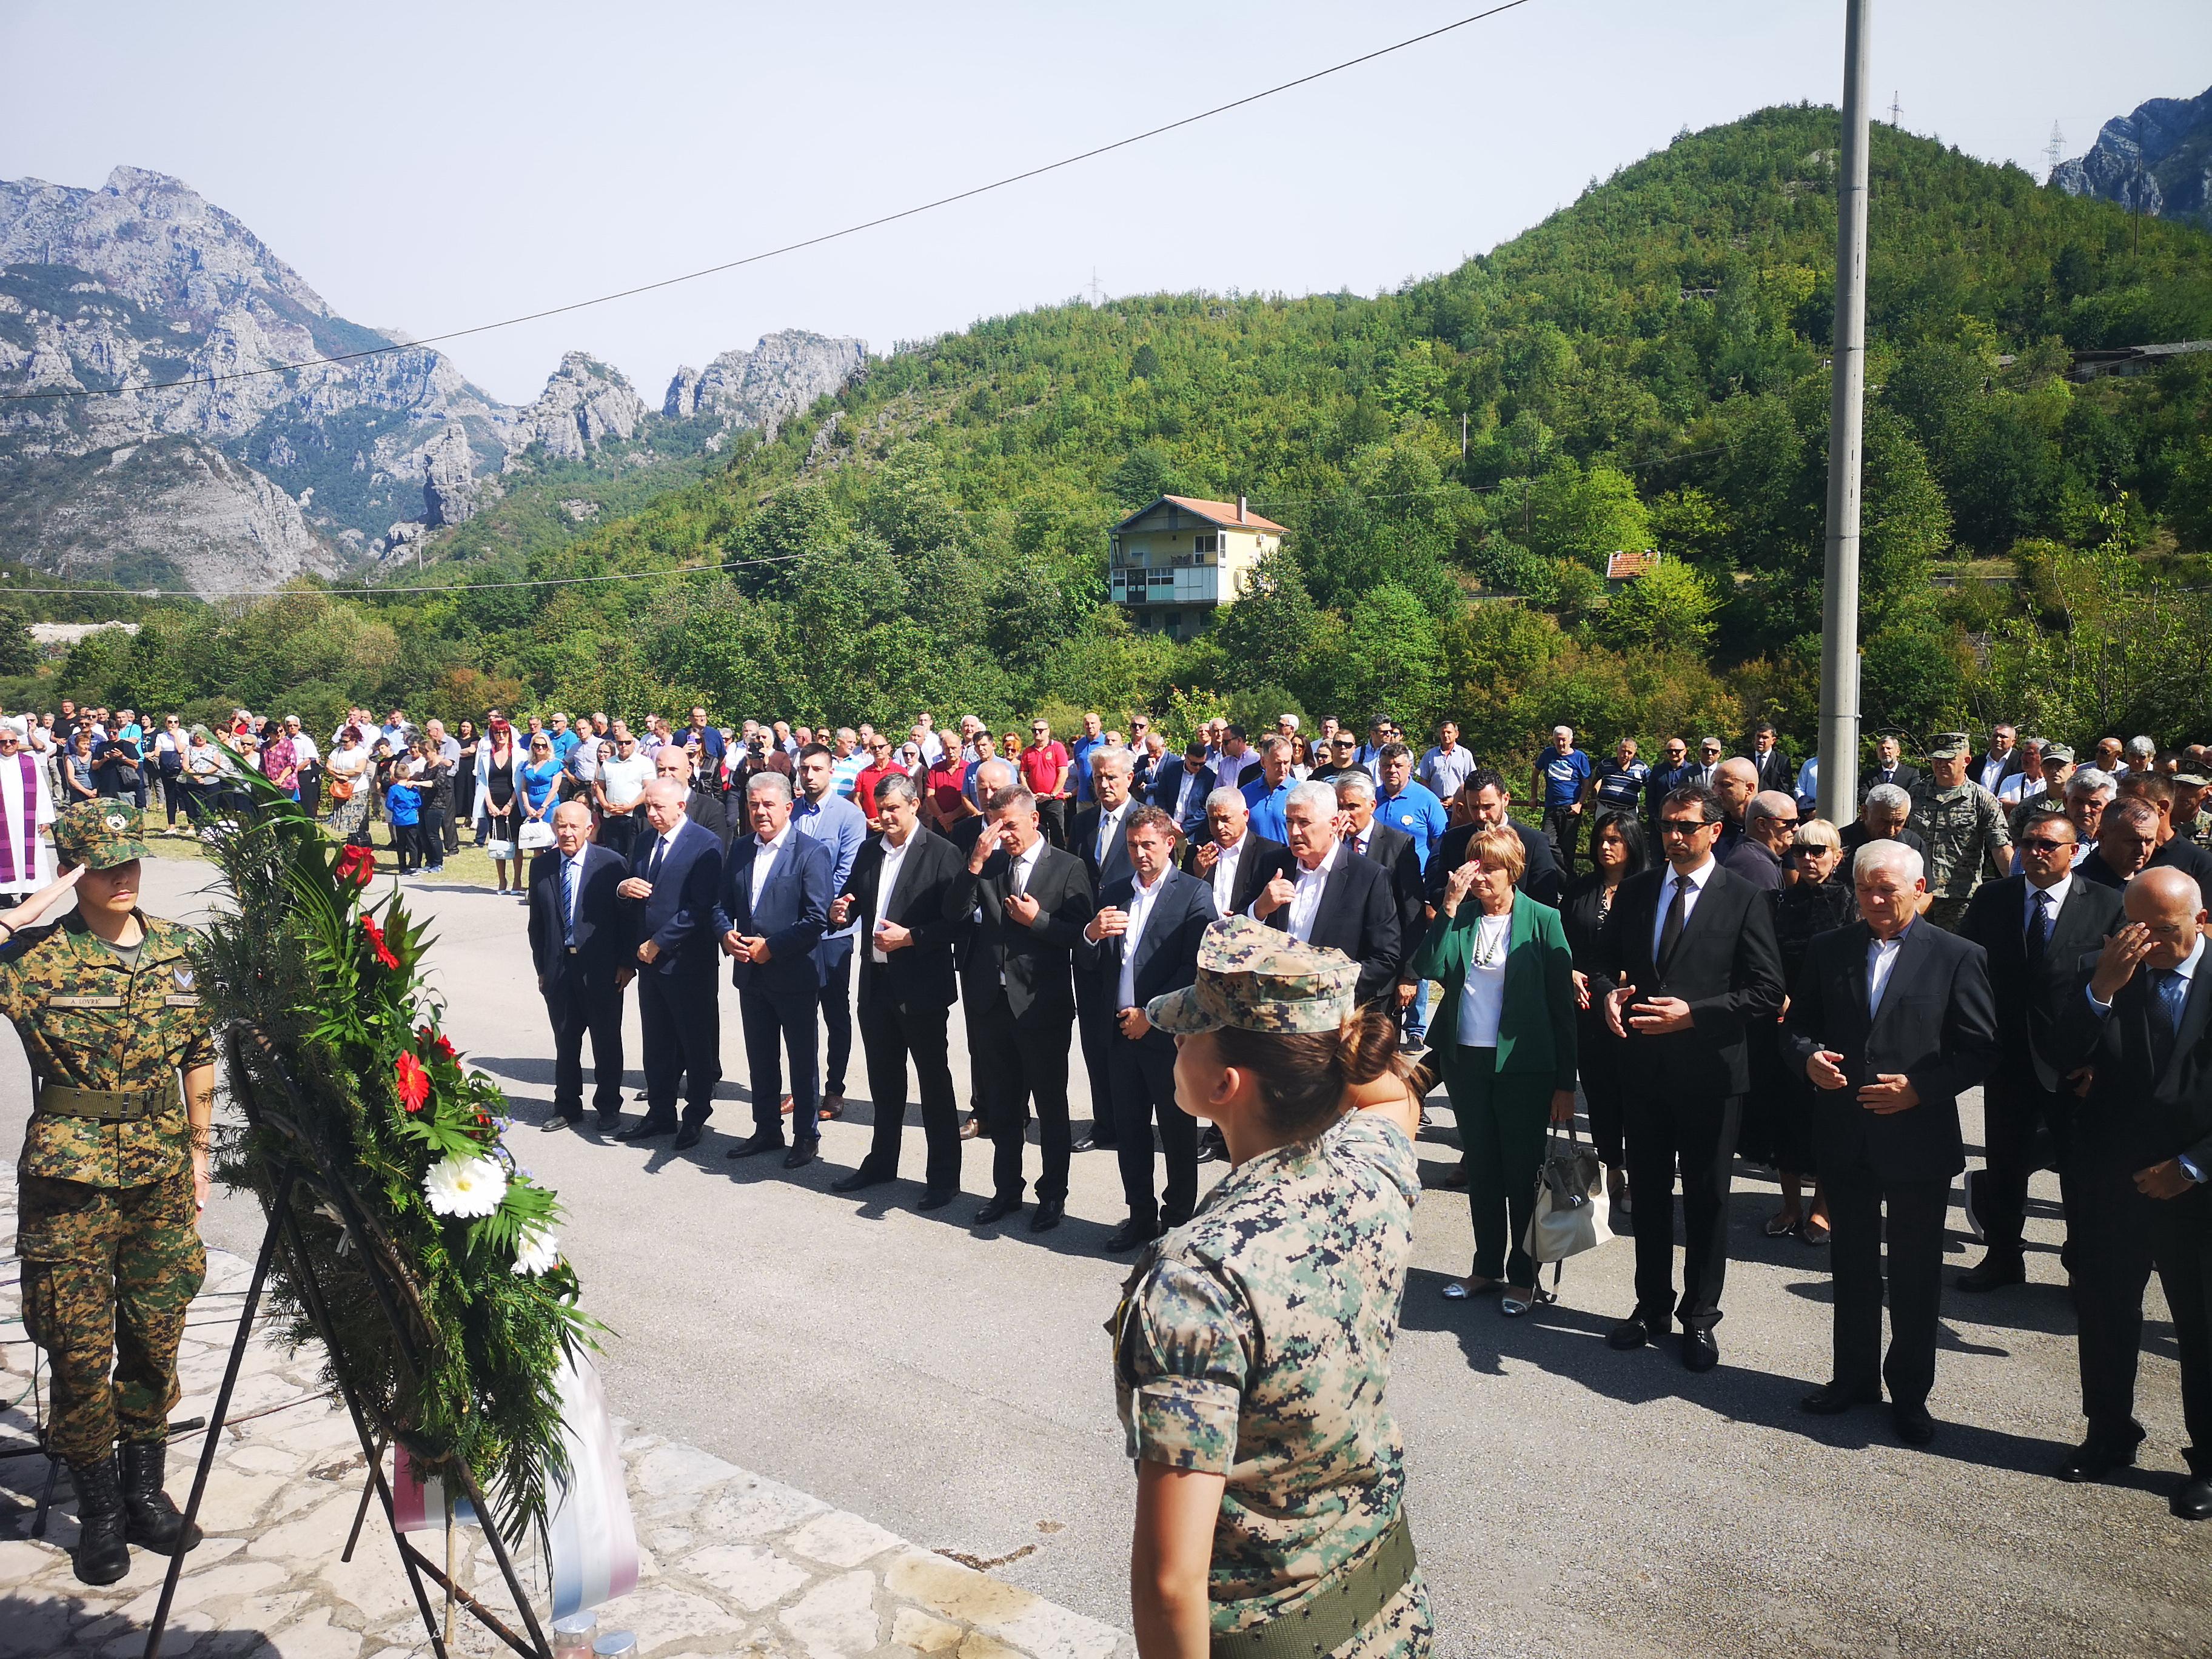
x,y
113,1176
2192,823
1252,1344
1963,826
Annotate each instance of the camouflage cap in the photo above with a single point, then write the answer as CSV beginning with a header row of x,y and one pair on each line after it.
x,y
1950,745
99,834
1256,979
2193,777
2059,752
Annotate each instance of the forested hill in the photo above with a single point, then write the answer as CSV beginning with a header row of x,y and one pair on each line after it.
x,y
1644,368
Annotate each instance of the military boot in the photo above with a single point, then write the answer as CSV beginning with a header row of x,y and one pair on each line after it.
x,y
101,1556
154,1522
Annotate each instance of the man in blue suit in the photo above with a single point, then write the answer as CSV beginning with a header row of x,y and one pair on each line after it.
x,y
776,889
677,874
578,937
1180,789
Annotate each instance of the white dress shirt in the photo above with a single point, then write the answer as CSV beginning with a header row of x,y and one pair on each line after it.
x,y
1183,796
1226,859
765,861
667,845
886,884
1140,912
1020,871
1109,827
1697,879
1305,897
1881,962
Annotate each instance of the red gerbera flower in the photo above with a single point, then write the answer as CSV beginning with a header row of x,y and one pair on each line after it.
x,y
442,1045
356,864
376,937
414,1081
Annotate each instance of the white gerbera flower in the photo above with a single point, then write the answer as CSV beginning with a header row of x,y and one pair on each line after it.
x,y
465,1186
536,1251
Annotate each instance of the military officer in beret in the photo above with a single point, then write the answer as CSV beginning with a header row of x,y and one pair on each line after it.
x,y
1252,1344
113,1174
1964,828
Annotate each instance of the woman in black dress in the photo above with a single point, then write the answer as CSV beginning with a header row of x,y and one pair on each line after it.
x,y
1813,899
465,776
1618,851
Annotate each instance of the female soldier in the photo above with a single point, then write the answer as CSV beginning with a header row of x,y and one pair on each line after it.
x,y
1252,1346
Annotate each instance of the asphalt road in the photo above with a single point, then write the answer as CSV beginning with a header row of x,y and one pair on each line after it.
x,y
953,1386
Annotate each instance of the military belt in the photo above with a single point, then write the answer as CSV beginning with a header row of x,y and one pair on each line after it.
x,y
1334,1613
58,1100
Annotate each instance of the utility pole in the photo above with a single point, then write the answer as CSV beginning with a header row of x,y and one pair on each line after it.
x,y
1896,113
1839,606
2055,150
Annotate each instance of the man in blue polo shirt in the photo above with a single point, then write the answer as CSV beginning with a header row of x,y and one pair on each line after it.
x,y
1561,771
1079,755
1673,771
1266,793
1404,804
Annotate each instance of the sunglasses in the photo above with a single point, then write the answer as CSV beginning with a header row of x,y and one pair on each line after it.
x,y
1682,826
2045,844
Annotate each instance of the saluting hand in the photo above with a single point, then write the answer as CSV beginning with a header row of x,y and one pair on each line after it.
x,y
1458,884
2117,963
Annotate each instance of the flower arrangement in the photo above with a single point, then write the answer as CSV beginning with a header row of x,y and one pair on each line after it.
x,y
334,982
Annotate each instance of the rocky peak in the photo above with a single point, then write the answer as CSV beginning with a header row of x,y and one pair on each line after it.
x,y
2156,160
449,478
779,377
584,404
681,401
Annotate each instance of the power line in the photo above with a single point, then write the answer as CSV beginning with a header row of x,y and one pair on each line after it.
x,y
788,248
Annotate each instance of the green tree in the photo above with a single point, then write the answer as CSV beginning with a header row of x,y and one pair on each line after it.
x,y
1585,515
1669,608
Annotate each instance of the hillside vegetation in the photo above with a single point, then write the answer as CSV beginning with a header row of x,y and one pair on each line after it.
x,y
1647,368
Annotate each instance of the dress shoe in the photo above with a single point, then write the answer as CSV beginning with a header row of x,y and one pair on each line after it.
x,y
970,1126
997,1210
801,1154
1048,1216
1634,1332
936,1198
558,1121
687,1137
785,1107
1912,1422
1831,1399
1092,1143
2093,1460
645,1129
833,1105
1130,1235
1994,1271
1208,1152
859,1180
1700,1351
608,1120
2194,1501
754,1144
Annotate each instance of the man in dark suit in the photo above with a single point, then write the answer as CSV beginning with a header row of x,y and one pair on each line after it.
x,y
2035,927
1487,793
1096,838
579,942
897,890
1034,902
1180,790
1230,857
677,874
1690,958
1771,762
1143,943
1892,1018
1671,772
776,889
1332,897
2138,1155
993,778
1396,852
1889,766
702,804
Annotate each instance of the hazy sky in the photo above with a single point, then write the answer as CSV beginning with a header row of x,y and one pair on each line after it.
x,y
430,167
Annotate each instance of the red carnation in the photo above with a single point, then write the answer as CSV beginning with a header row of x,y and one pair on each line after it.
x,y
356,864
414,1081
376,937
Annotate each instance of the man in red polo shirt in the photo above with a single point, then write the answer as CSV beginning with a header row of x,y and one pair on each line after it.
x,y
1045,766
880,765
946,805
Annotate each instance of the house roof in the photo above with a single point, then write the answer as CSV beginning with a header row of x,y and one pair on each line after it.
x,y
1220,512
1626,566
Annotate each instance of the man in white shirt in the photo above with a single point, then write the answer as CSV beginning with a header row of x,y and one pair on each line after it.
x,y
619,792
1332,897
1445,768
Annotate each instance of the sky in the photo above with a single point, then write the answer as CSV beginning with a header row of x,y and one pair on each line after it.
x,y
436,167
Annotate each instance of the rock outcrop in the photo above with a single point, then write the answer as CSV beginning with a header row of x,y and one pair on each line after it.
x,y
584,404
767,385
2157,160
449,478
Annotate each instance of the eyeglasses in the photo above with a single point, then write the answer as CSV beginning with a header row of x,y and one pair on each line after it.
x,y
1682,826
2045,844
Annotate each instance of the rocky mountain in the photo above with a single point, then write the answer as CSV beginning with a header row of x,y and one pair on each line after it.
x,y
2157,160
284,465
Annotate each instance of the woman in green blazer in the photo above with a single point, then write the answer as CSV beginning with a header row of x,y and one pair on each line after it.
x,y
1504,1037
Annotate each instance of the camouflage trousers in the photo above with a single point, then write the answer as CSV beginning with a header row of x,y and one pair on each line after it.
x,y
1945,913
108,1273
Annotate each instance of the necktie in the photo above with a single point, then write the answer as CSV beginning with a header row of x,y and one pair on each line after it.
x,y
1670,931
659,852
2169,994
568,901
2038,930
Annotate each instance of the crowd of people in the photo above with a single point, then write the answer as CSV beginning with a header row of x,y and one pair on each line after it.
x,y
1714,972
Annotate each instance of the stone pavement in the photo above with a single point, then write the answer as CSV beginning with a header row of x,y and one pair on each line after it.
x,y
730,1562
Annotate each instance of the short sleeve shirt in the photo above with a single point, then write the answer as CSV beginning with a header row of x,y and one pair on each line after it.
x,y
1564,775
945,779
1040,767
1255,1343
1620,789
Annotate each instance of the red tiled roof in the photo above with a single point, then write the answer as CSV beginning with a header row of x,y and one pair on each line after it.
x,y
1220,512
1625,567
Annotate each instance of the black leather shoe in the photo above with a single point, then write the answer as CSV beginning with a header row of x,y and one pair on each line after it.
x,y
936,1198
1913,1425
801,1154
1092,1143
2093,1460
1634,1332
608,1120
645,1129
1048,1216
758,1142
1833,1398
1208,1152
1130,1236
101,1557
687,1137
859,1180
997,1210
150,1520
1700,1351
1993,1272
2194,1501
558,1121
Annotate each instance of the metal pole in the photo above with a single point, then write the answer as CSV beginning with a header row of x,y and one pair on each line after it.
x,y
1840,609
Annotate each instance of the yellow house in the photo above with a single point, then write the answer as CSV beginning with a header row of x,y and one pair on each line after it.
x,y
1179,559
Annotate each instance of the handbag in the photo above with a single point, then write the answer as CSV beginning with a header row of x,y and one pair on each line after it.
x,y
499,849
536,835
340,789
1570,1204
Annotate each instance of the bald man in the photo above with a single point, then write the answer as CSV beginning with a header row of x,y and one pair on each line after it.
x,y
2137,1162
579,941
1735,782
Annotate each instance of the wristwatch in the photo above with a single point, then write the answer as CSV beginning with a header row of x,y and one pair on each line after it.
x,y
2191,1168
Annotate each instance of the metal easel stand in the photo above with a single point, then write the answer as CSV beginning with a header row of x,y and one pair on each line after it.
x,y
306,1166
